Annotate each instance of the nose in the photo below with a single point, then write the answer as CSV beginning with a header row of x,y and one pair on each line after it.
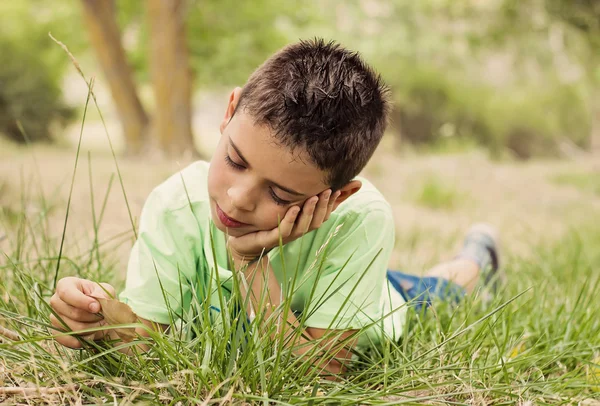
x,y
241,197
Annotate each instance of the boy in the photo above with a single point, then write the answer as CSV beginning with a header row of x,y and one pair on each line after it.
x,y
292,142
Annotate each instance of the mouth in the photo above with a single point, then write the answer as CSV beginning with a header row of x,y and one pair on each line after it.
x,y
228,221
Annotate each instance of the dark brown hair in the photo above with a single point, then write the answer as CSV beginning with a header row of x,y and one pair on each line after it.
x,y
324,99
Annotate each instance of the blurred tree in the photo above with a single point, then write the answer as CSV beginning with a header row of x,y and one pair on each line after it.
x,y
213,42
171,76
105,37
227,39
171,132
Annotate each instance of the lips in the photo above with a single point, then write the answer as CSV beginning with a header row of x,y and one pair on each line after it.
x,y
228,221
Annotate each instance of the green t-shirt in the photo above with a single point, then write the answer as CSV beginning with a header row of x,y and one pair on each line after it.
x,y
339,269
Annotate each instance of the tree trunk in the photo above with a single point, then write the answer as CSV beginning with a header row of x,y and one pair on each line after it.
x,y
171,78
100,19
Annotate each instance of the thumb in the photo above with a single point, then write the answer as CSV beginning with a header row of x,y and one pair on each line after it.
x,y
246,245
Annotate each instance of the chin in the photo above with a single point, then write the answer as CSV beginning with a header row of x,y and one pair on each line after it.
x,y
233,232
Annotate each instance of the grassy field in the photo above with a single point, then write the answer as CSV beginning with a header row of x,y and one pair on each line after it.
x,y
536,342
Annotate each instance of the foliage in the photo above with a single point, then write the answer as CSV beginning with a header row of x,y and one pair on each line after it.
x,y
582,15
502,72
26,24
29,96
511,75
432,105
225,48
227,39
32,70
227,45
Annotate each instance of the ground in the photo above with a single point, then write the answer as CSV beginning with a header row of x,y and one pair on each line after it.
x,y
545,340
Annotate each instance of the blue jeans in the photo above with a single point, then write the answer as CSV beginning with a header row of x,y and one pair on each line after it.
x,y
423,290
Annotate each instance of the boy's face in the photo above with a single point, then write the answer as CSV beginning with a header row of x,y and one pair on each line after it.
x,y
252,181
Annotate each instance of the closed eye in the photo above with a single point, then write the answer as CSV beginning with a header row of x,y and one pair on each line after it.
x,y
232,164
277,199
235,166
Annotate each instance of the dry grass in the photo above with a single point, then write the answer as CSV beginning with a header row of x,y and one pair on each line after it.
x,y
522,200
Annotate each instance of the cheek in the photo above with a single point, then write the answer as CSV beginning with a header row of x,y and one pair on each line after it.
x,y
217,179
217,173
271,214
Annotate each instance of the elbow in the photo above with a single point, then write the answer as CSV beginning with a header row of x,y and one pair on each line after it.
x,y
332,370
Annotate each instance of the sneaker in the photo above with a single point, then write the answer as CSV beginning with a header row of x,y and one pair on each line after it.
x,y
482,245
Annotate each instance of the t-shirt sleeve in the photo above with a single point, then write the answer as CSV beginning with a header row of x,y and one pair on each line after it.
x,y
162,263
348,290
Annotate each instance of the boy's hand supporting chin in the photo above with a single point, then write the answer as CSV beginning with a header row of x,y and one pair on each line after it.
x,y
294,225
247,248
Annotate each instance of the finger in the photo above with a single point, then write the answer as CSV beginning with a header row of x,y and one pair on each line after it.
x,y
58,330
331,204
303,222
73,292
69,341
286,225
320,210
73,313
270,238
74,326
76,292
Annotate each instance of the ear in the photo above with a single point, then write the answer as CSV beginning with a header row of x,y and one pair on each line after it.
x,y
234,98
346,191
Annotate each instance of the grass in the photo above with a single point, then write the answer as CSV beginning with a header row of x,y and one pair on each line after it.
x,y
535,341
435,193
587,182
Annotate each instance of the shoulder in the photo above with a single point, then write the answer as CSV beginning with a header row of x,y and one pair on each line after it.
x,y
368,202
364,216
188,186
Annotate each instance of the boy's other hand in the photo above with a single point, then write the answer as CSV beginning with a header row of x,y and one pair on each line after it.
x,y
74,304
294,225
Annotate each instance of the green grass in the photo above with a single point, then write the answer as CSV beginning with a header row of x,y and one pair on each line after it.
x,y
587,182
534,341
8,216
435,193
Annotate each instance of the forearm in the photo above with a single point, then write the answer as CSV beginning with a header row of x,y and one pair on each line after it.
x,y
262,281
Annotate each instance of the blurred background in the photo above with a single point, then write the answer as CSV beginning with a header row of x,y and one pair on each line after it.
x,y
496,107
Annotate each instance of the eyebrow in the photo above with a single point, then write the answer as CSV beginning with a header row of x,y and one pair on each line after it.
x,y
285,189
